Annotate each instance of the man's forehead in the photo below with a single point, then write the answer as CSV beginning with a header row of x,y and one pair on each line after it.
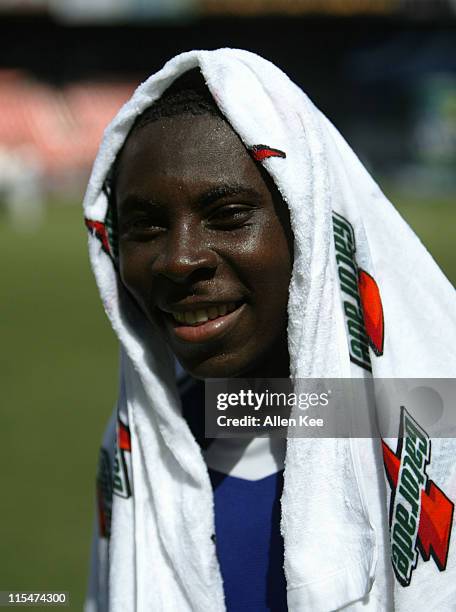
x,y
184,150
168,135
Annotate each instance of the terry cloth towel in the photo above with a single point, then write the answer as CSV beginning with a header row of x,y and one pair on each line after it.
x,y
153,549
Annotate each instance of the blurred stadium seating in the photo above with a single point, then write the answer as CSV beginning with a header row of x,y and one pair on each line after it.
x,y
61,128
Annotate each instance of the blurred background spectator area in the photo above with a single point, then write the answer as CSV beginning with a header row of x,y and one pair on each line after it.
x,y
55,131
384,71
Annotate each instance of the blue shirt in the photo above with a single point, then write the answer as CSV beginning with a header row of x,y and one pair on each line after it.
x,y
249,543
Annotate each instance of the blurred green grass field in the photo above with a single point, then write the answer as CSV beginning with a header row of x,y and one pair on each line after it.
x,y
58,387
59,381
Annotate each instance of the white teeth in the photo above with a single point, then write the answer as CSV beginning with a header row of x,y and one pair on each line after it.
x,y
195,317
212,312
202,315
189,317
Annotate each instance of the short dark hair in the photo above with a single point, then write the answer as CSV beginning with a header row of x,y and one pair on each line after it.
x,y
187,95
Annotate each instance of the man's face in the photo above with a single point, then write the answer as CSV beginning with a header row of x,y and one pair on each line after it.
x,y
204,246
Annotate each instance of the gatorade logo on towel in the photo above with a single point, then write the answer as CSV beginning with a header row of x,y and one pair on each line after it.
x,y
113,479
122,461
261,152
98,229
104,494
421,514
361,298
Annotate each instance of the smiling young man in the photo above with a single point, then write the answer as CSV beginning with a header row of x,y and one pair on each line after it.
x,y
233,231
205,245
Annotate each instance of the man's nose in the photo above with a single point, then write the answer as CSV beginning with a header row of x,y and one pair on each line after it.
x,y
184,253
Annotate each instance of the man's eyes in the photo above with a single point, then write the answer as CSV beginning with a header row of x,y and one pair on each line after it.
x,y
230,216
141,225
225,217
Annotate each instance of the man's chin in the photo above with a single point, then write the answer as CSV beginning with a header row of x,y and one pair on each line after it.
x,y
217,366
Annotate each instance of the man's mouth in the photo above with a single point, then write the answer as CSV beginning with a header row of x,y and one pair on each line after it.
x,y
196,323
199,316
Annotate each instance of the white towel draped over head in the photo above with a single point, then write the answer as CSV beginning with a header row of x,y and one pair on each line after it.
x,y
153,549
